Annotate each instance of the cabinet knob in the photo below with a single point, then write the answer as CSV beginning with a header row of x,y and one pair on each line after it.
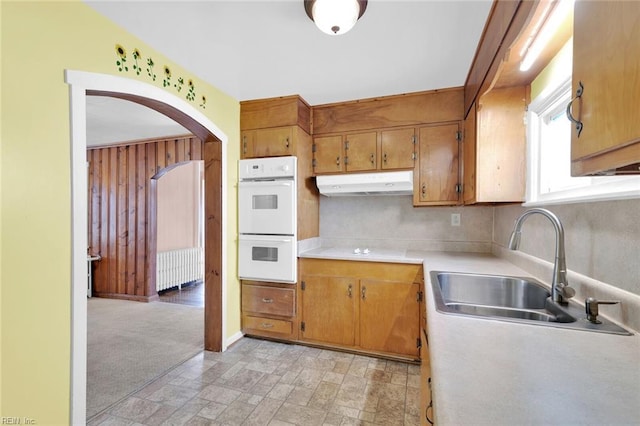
x,y
577,123
424,189
384,158
286,142
337,161
373,159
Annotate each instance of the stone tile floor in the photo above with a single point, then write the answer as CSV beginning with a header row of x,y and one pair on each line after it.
x,y
258,382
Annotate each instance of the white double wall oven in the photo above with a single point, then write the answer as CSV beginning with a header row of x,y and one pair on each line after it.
x,y
267,221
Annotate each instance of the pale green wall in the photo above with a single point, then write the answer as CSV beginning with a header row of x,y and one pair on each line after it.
x,y
39,41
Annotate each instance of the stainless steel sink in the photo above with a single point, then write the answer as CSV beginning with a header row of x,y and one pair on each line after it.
x,y
508,298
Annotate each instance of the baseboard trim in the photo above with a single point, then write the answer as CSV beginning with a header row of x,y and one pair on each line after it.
x,y
145,299
232,339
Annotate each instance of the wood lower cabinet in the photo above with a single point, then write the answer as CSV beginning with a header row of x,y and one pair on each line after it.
x,y
328,310
389,316
366,306
269,310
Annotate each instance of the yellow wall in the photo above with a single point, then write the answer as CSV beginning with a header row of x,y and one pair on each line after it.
x,y
556,71
40,40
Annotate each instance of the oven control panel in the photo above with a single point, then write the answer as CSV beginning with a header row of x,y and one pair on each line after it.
x,y
267,168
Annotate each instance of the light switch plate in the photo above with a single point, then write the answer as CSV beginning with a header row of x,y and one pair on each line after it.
x,y
455,219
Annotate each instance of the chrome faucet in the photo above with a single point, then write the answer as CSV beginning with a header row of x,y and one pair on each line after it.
x,y
560,290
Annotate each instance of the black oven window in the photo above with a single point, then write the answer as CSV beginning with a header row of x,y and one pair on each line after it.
x,y
264,254
265,202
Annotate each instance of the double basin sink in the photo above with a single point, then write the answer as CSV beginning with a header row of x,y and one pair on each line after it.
x,y
509,298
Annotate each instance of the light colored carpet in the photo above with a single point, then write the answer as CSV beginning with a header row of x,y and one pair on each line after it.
x,y
131,343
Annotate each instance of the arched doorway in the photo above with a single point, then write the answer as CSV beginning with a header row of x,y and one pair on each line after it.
x,y
214,156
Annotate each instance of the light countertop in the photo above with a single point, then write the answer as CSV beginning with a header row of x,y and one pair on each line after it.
x,y
503,373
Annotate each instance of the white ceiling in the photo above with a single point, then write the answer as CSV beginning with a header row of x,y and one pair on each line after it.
x,y
265,48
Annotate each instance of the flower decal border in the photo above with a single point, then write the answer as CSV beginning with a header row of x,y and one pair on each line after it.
x,y
168,81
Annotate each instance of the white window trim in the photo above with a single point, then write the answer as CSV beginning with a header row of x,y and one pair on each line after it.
x,y
623,187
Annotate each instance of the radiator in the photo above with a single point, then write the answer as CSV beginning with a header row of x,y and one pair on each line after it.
x,y
177,267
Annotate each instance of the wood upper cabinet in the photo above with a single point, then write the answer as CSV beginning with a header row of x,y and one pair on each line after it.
x,y
361,152
368,151
398,148
606,62
274,142
437,172
368,306
328,154
272,127
494,147
379,133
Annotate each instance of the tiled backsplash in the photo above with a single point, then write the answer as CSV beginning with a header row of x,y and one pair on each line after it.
x,y
393,222
602,238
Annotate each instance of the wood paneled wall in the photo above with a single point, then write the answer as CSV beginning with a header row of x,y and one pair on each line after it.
x,y
119,179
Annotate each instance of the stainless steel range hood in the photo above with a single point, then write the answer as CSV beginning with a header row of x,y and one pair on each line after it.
x,y
383,183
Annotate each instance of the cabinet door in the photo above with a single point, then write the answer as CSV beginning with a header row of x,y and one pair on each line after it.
x,y
398,148
389,317
328,154
606,43
469,157
246,148
274,142
437,174
501,146
328,309
361,151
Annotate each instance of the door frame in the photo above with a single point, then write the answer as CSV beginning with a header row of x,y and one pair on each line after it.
x,y
81,84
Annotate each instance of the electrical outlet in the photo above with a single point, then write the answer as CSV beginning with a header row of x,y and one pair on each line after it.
x,y
455,219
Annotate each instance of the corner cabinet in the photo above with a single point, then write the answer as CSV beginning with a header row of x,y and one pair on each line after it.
x,y
606,63
364,306
494,147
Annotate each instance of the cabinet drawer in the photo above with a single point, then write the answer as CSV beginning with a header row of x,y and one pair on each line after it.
x,y
268,300
267,325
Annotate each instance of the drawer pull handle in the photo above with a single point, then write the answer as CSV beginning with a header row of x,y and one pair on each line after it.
x,y
265,300
350,290
266,325
364,292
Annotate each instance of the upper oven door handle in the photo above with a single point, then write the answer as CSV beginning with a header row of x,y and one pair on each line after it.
x,y
264,183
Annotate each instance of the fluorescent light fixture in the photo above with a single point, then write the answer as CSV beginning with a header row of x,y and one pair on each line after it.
x,y
335,17
549,22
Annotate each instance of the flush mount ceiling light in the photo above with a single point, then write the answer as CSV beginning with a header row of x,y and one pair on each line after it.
x,y
335,17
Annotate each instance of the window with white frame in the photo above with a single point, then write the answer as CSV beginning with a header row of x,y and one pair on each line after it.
x,y
549,178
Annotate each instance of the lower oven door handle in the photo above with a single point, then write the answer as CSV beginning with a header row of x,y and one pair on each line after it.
x,y
266,239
